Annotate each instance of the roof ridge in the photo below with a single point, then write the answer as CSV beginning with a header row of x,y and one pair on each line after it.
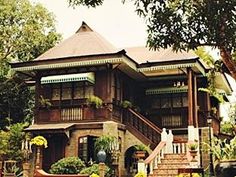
x,y
84,28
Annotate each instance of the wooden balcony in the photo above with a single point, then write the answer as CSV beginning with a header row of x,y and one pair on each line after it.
x,y
71,114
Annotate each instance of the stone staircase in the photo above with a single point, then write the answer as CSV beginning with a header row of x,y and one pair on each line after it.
x,y
169,165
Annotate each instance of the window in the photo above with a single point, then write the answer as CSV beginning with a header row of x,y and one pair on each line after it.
x,y
56,92
174,100
66,91
171,120
116,84
86,148
78,90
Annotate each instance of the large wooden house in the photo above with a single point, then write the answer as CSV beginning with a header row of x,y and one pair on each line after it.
x,y
161,85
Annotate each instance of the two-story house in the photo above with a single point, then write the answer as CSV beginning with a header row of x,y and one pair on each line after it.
x,y
163,86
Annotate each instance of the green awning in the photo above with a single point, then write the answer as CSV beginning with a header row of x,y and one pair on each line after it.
x,y
69,78
155,91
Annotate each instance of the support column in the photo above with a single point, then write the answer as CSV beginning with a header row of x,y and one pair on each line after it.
x,y
195,101
190,96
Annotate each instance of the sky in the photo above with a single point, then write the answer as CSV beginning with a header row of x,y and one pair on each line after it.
x,y
115,21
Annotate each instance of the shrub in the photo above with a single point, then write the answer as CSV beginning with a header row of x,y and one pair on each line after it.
x,y
94,169
68,165
95,100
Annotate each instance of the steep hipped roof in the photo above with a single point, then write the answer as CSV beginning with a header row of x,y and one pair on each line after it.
x,y
143,55
84,42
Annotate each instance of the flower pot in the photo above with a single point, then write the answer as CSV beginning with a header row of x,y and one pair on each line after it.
x,y
226,169
101,155
193,153
140,154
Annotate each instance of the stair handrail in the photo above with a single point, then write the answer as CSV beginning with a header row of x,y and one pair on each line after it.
x,y
155,152
155,157
148,122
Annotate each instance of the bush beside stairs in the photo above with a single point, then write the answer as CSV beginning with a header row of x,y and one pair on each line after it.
x,y
169,165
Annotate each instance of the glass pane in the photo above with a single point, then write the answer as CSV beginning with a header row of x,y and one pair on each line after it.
x,y
88,91
66,91
165,103
55,93
177,100
156,103
185,100
78,90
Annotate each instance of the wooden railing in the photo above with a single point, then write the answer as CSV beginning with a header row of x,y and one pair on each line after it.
x,y
142,125
179,147
155,157
71,114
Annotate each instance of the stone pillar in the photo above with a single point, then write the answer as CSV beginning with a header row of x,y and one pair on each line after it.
x,y
26,169
164,135
169,142
102,167
141,166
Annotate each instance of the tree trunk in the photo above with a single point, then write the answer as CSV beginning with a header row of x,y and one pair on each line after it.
x,y
228,61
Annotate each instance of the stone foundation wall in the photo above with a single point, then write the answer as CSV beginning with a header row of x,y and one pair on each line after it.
x,y
109,128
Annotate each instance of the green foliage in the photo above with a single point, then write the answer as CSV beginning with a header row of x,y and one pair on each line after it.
x,y
89,3
44,102
187,24
126,104
141,147
16,101
94,169
215,67
26,31
11,139
223,150
193,146
95,100
227,128
105,142
68,165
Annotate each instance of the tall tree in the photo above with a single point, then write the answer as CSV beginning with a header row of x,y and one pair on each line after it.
x,y
188,24
26,31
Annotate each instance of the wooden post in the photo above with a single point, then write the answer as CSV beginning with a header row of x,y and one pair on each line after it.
x,y
190,96
195,101
38,158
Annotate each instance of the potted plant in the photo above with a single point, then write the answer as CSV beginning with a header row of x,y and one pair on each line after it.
x,y
193,150
224,152
95,101
103,146
38,141
126,104
141,150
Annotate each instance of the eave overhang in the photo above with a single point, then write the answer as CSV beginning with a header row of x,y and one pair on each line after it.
x,y
222,83
171,67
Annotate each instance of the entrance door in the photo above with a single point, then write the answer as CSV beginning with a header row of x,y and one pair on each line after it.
x,y
54,152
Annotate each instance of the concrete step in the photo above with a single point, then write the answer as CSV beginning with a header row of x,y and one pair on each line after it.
x,y
174,155
172,165
170,161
